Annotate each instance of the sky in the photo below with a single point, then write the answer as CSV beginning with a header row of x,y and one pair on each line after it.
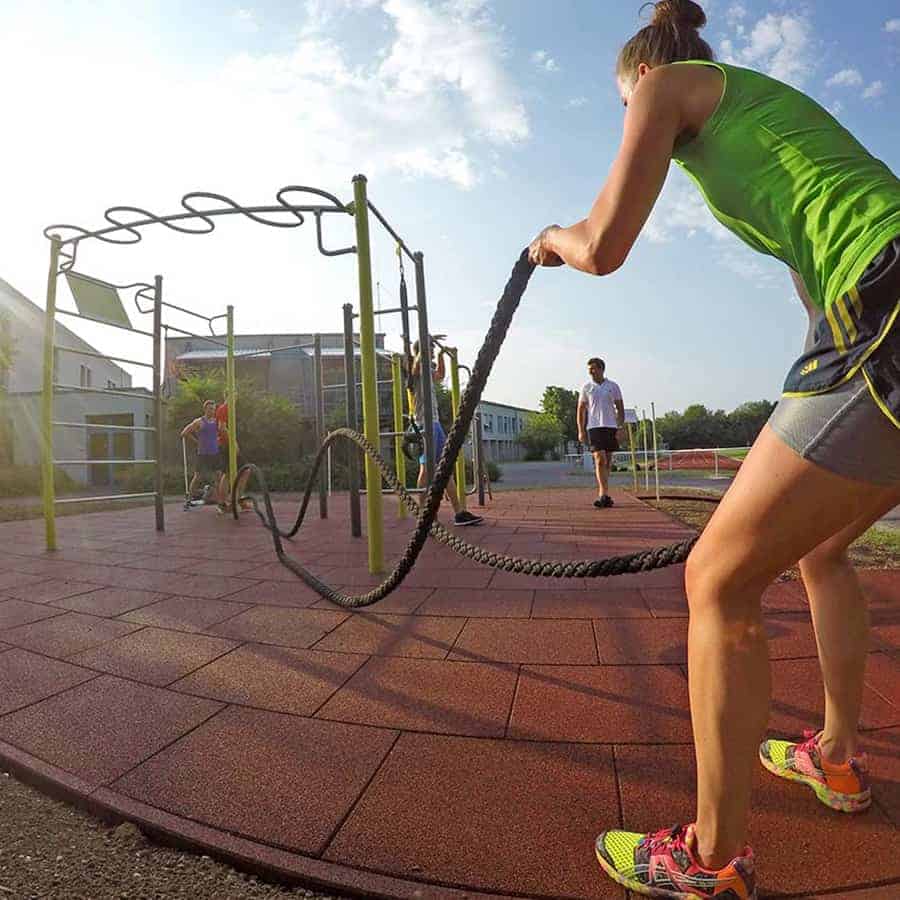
x,y
477,123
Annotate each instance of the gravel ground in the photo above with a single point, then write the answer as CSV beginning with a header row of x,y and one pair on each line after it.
x,y
50,850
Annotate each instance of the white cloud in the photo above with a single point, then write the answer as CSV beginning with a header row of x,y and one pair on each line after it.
x,y
892,25
780,45
577,102
735,16
875,89
245,20
544,61
837,108
681,209
845,78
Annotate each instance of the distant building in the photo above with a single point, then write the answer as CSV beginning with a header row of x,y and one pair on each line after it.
x,y
281,364
501,425
21,385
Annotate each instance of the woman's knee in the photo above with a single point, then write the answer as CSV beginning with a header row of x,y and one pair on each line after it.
x,y
727,578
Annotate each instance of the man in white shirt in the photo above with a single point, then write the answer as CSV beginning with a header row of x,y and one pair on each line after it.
x,y
601,412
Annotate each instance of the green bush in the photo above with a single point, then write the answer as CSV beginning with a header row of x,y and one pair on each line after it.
x,y
25,481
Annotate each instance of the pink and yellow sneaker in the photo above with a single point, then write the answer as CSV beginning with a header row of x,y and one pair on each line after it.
x,y
663,864
843,787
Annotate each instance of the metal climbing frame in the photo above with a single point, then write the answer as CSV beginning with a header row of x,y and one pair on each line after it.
x,y
143,290
124,227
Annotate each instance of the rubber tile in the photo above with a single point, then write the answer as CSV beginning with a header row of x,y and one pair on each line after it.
x,y
279,779
883,675
26,678
15,583
641,641
185,613
402,601
503,816
66,634
389,635
276,678
601,602
601,704
527,641
791,636
166,562
464,578
795,838
153,656
18,612
881,586
883,749
514,581
798,700
211,587
279,625
101,729
785,596
488,603
666,603
885,633
50,591
109,601
427,695
670,577
277,593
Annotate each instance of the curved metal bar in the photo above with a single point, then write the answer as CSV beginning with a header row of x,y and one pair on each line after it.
x,y
390,230
322,249
126,221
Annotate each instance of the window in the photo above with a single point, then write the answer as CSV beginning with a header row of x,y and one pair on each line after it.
x,y
110,383
85,377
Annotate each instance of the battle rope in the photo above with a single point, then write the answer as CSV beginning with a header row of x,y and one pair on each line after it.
x,y
426,523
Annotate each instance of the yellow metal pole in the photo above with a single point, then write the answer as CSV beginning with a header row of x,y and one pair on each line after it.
x,y
399,458
633,456
231,399
48,488
454,406
369,373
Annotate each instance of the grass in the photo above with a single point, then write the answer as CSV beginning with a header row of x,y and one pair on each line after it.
x,y
878,548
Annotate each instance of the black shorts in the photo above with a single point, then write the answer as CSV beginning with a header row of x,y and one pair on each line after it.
x,y
602,439
209,464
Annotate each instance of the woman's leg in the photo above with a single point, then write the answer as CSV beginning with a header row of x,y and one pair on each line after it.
x,y
778,509
841,621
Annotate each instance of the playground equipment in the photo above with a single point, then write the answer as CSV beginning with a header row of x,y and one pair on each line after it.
x,y
99,301
125,227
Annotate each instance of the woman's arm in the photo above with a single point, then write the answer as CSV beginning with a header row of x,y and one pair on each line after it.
x,y
441,369
189,430
600,243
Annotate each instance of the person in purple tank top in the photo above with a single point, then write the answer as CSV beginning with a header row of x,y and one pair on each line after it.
x,y
204,432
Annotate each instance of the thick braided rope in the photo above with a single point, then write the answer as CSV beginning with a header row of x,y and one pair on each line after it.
x,y
427,513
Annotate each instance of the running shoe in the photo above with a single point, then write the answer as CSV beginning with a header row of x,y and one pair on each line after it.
x,y
466,518
663,864
843,787
604,501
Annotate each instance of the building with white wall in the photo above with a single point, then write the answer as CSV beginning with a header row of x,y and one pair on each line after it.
x,y
21,384
501,425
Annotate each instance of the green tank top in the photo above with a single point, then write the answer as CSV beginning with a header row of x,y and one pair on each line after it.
x,y
782,173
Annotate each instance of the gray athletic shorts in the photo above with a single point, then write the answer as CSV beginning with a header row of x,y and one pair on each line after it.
x,y
842,431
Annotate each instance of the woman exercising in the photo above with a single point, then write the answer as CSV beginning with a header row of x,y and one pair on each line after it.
x,y
779,171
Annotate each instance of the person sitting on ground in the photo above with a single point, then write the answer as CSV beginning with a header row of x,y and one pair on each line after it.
x,y
204,432
783,174
462,516
225,487
601,412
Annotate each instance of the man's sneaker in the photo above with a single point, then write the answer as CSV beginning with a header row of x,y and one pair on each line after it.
x,y
604,501
663,864
843,787
466,518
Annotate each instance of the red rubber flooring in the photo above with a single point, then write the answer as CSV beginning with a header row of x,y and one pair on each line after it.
x,y
468,736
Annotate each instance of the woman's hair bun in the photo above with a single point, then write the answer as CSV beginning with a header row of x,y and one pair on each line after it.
x,y
683,13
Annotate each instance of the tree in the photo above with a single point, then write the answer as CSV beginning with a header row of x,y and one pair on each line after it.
x,y
541,435
748,419
562,405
